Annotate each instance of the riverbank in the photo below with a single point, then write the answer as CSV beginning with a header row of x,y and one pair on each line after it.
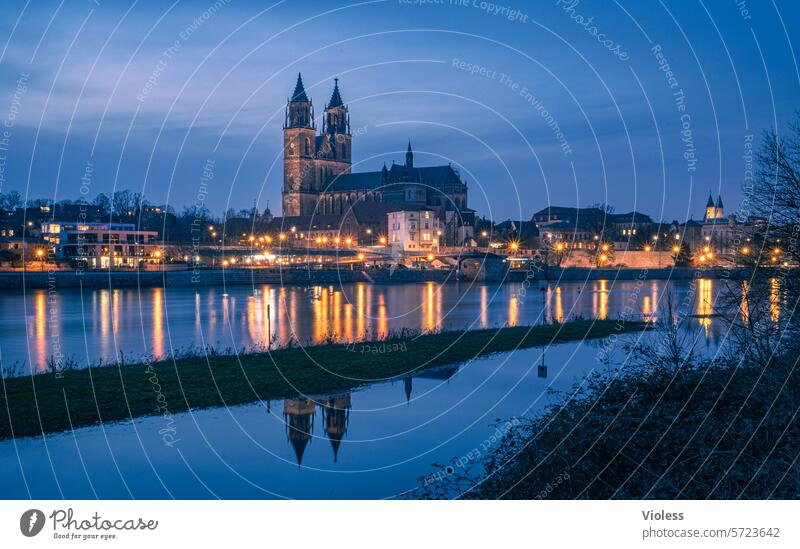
x,y
16,281
721,429
59,401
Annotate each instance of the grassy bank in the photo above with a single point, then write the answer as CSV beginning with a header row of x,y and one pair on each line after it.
x,y
53,402
722,429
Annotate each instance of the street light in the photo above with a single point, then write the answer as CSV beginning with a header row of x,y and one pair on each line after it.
x,y
40,256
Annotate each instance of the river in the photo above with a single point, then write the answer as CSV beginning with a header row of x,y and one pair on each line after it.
x,y
372,443
41,329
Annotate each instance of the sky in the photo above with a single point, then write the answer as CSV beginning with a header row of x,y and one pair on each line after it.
x,y
646,105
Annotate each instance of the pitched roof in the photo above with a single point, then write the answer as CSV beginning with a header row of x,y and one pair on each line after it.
x,y
336,98
354,181
710,203
719,201
434,176
630,217
299,90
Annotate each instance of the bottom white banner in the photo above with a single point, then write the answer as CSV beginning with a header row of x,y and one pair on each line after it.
x,y
357,524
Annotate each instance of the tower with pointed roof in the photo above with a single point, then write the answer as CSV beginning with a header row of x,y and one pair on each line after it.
x,y
714,210
310,159
298,415
335,142
335,418
300,186
720,208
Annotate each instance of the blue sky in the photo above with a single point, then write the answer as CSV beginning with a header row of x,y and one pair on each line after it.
x,y
531,105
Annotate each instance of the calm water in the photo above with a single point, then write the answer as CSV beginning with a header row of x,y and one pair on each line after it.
x,y
38,329
371,443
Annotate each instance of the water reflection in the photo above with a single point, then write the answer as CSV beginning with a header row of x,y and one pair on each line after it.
x,y
705,303
300,414
99,324
775,299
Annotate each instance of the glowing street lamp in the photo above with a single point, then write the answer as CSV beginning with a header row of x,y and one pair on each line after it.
x,y
382,240
676,249
431,257
648,248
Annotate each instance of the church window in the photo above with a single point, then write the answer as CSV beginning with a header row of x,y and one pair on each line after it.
x,y
308,146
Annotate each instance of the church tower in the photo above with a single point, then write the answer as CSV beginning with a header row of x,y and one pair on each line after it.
x,y
300,186
714,211
334,145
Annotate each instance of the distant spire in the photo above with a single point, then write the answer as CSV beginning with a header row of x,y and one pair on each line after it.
x,y
719,202
299,90
409,155
710,203
336,97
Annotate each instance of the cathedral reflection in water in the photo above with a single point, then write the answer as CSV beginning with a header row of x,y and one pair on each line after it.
x,y
299,414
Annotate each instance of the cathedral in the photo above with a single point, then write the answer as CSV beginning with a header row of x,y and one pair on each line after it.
x,y
317,177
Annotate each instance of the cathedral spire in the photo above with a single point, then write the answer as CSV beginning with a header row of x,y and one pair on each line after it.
x,y
409,156
336,97
299,90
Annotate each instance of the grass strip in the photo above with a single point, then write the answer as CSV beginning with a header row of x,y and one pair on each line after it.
x,y
49,403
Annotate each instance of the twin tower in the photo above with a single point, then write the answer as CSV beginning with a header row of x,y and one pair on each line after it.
x,y
310,160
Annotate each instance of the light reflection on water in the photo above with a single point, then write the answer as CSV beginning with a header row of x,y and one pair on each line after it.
x,y
370,443
101,324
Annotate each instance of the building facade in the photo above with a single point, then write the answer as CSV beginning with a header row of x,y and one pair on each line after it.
x,y
102,245
416,231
